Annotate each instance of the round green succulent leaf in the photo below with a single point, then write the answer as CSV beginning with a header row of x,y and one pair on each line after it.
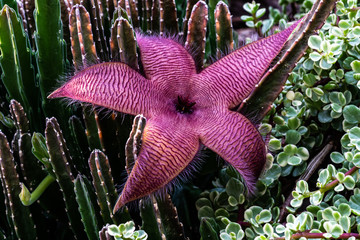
x,y
339,188
355,66
201,202
349,182
303,153
290,149
233,228
314,42
225,236
268,230
274,144
316,198
336,231
345,24
351,114
232,201
294,123
302,187
264,216
113,230
296,203
206,211
294,161
234,187
282,159
337,157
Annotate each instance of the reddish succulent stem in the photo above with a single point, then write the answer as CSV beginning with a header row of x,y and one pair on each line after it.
x,y
319,235
333,184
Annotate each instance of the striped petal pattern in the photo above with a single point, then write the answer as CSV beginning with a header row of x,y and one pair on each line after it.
x,y
168,146
237,141
165,61
237,75
184,108
110,85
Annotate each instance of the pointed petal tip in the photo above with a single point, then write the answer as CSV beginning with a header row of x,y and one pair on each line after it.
x,y
57,93
119,204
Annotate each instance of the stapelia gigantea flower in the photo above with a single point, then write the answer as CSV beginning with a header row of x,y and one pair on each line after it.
x,y
185,109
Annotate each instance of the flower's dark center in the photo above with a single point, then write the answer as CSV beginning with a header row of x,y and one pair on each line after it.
x,y
184,106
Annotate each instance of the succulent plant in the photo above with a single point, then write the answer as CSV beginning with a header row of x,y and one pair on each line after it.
x,y
61,167
125,231
180,116
313,115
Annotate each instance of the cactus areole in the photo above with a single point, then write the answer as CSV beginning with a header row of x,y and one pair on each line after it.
x,y
185,109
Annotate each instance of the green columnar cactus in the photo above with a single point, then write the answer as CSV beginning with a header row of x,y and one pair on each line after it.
x,y
224,33
18,214
196,35
81,144
125,42
105,189
98,21
91,128
18,71
100,188
82,43
59,159
86,208
149,219
133,144
173,228
50,53
30,171
168,17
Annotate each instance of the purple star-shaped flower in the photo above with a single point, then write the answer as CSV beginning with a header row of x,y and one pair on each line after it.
x,y
184,109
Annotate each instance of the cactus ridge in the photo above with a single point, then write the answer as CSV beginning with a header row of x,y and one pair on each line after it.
x,y
106,211
133,144
59,160
168,18
224,34
18,71
150,223
86,208
82,44
20,215
196,33
127,43
173,228
19,115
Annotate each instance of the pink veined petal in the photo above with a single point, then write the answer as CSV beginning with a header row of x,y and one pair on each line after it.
x,y
111,85
235,76
168,146
237,141
166,62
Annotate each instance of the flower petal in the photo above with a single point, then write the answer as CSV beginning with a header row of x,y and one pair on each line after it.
x,y
237,74
237,141
111,85
165,61
168,146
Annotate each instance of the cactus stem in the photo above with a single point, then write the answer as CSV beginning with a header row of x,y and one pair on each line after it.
x,y
28,198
